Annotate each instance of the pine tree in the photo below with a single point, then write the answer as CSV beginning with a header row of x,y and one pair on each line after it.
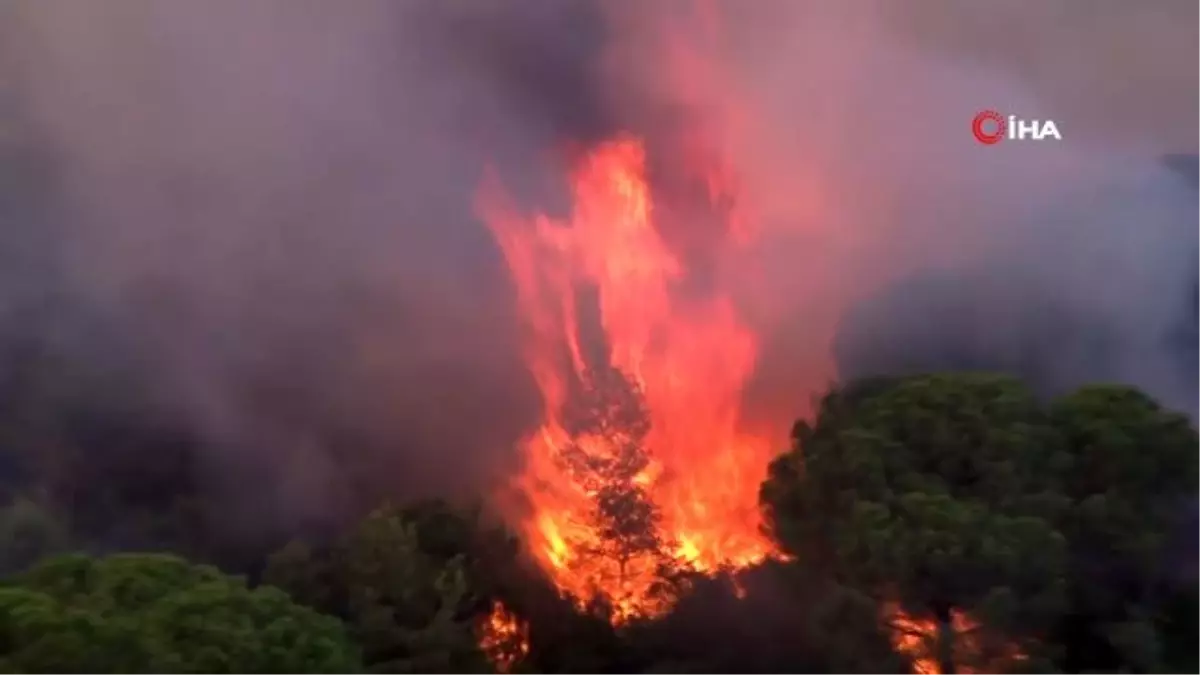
x,y
607,456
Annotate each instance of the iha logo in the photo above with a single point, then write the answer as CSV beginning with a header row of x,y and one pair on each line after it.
x,y
990,127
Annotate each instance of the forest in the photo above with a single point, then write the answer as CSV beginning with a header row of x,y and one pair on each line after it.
x,y
937,520
597,337
945,522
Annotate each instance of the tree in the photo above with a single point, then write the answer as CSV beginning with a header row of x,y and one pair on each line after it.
x,y
408,599
773,618
940,488
141,613
29,531
1132,480
936,492
607,458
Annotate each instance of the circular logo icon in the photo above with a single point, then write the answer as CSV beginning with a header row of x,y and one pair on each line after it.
x,y
989,127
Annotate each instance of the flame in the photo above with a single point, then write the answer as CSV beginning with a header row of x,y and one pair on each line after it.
x,y
916,638
504,638
688,357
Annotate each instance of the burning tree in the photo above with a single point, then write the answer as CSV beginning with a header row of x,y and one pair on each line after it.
x,y
638,462
607,458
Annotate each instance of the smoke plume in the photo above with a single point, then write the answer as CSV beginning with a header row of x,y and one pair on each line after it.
x,y
892,242
262,213
270,207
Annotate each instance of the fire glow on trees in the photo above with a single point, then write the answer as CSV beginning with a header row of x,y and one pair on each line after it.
x,y
503,638
917,639
639,461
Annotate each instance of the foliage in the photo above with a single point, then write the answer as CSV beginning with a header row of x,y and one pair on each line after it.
x,y
777,617
158,613
30,532
1028,532
1133,473
408,599
1037,535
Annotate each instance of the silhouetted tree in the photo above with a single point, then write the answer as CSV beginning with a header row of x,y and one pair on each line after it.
x,y
776,617
607,457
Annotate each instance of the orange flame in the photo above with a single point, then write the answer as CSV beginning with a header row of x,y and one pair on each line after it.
x,y
689,358
503,638
917,638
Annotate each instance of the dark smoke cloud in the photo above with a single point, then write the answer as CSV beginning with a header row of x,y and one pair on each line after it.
x,y
271,206
266,208
540,57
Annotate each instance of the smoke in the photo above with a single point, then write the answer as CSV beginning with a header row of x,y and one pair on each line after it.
x,y
892,242
270,206
266,208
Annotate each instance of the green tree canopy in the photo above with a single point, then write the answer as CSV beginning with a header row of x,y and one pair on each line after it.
x,y
28,532
1132,478
1041,530
772,618
143,613
936,492
403,581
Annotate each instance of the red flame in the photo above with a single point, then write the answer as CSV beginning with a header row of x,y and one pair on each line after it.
x,y
503,638
917,639
689,358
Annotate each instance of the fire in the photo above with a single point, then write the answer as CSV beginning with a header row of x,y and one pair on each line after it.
x,y
503,638
917,639
684,357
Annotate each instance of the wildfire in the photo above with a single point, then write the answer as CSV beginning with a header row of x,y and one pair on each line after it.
x,y
685,358
503,638
917,639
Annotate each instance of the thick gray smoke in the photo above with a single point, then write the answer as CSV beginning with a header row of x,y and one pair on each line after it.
x,y
894,242
263,211
1090,275
268,209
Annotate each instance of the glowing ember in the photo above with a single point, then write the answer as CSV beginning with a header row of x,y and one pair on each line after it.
x,y
503,638
681,361
917,639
